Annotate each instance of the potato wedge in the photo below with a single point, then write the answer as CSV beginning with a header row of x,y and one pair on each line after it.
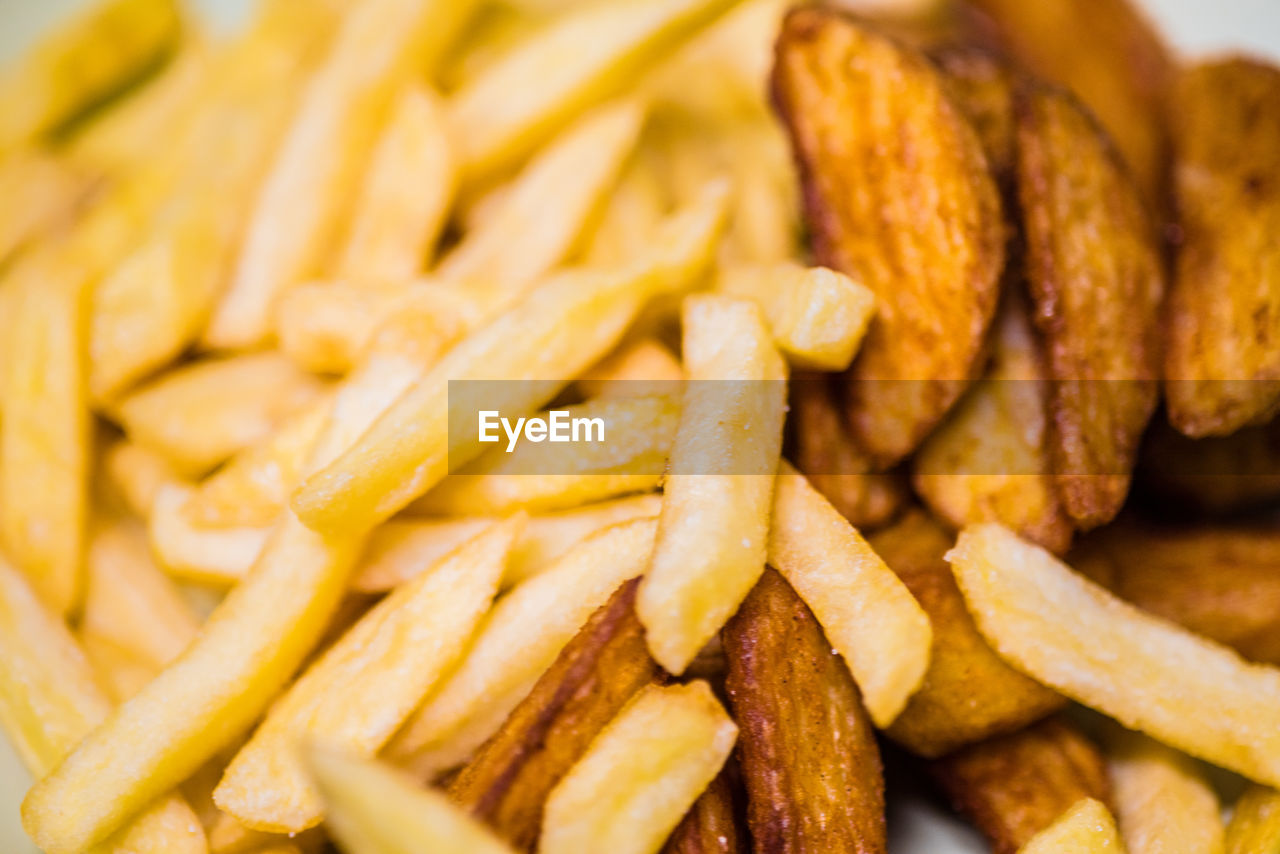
x,y
1222,357
1012,787
1148,674
809,758
1086,828
1162,801
1217,475
1096,284
882,196
969,693
711,824
1255,823
981,84
641,773
507,782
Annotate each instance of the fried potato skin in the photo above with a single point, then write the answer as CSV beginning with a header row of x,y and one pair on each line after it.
x,y
711,825
903,202
507,783
969,693
981,84
809,759
1013,786
1222,361
1095,274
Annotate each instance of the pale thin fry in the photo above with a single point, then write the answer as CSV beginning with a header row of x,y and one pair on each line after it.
x,y
1148,674
641,773
219,557
867,613
1086,828
1162,802
38,193
713,531
817,316
640,364
1255,823
374,810
537,618
137,475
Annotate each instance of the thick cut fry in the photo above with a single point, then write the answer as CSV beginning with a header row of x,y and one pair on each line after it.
x,y
1086,828
538,618
39,192
1014,786
714,525
407,188
507,783
1148,674
817,316
374,810
1222,359
902,200
1162,801
711,824
137,474
968,693
866,612
78,67
1255,823
640,774
198,416
557,331
219,557
1096,279
808,754
583,58
619,374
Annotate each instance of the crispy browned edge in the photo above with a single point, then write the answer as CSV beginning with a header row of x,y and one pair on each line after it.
x,y
711,825
808,755
507,782
968,693
1013,786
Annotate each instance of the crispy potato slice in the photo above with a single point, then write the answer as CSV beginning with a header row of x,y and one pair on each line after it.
x,y
883,197
809,757
711,824
507,783
374,809
1255,823
39,192
1086,828
1014,786
969,693
646,360
1217,475
641,773
714,525
989,461
538,618
557,331
1162,801
1096,284
1148,674
218,557
137,474
1222,359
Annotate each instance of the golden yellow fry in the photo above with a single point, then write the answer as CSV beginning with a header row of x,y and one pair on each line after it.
x,y
123,671
136,474
365,685
407,188
549,537
713,531
633,210
553,334
1086,828
39,192
817,316
1162,801
765,225
866,612
537,618
219,557
84,63
1148,674
640,774
199,415
583,58
316,174
374,810
632,366
1255,823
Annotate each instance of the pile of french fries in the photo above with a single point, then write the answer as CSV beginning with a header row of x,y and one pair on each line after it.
x,y
997,288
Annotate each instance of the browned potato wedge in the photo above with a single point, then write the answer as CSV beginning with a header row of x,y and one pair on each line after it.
x,y
711,825
1216,475
898,195
1222,359
1014,786
969,693
981,85
1094,269
809,758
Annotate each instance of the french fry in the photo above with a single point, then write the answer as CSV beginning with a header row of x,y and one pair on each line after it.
x,y
532,92
1086,828
199,415
547,537
711,824
931,315
1162,801
406,192
643,361
1255,823
373,809
809,758
641,773
507,783
713,529
560,329
1014,786
137,475
1222,363
817,316
969,693
634,208
123,671
218,557
1096,284
364,686
39,193
539,618
1148,674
